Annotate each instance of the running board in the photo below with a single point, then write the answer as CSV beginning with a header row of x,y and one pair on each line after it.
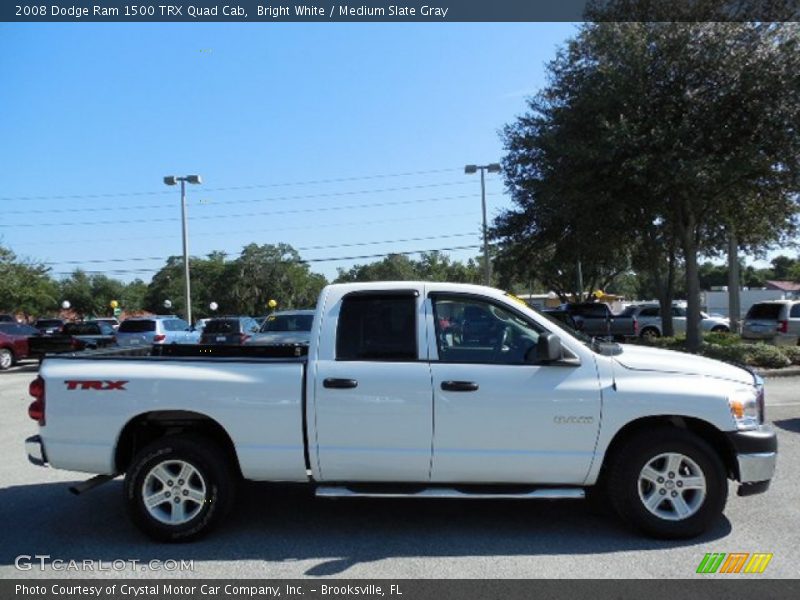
x,y
437,492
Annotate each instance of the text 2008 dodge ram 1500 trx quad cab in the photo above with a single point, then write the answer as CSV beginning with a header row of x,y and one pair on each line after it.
x,y
460,390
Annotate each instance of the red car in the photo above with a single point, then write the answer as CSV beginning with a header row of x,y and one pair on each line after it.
x,y
14,343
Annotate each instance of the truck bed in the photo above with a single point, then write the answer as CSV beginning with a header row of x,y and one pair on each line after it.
x,y
254,394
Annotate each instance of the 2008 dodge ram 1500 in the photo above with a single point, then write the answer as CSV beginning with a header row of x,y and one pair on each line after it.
x,y
460,390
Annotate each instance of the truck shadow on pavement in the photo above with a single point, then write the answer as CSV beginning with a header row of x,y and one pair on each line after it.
x,y
792,425
282,523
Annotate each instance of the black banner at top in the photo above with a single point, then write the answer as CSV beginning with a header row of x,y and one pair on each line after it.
x,y
397,10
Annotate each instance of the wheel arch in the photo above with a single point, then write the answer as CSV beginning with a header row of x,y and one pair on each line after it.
x,y
703,429
147,427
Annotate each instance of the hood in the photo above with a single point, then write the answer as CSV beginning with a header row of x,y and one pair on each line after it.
x,y
642,358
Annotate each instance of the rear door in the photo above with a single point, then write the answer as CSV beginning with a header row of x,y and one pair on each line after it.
x,y
372,389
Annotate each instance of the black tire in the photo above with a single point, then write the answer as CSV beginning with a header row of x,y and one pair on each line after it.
x,y
628,494
214,476
720,329
650,332
7,359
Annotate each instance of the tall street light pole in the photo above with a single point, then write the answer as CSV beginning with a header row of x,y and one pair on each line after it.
x,y
471,170
172,180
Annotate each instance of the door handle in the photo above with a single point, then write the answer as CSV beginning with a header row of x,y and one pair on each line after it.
x,y
459,386
339,384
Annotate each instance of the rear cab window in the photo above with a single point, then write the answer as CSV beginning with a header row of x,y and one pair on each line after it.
x,y
222,326
142,326
377,326
81,329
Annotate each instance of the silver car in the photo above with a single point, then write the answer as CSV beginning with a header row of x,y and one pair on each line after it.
x,y
145,331
776,322
284,327
649,319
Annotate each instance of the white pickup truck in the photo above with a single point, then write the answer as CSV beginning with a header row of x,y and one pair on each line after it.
x,y
422,390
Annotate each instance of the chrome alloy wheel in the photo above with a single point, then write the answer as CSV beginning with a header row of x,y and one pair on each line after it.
x,y
672,486
174,492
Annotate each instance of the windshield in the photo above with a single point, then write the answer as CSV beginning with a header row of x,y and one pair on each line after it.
x,y
287,323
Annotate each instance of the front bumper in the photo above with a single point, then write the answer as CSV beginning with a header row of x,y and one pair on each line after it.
x,y
35,449
756,455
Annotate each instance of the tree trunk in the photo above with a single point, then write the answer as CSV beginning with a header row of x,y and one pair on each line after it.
x,y
667,296
693,335
734,284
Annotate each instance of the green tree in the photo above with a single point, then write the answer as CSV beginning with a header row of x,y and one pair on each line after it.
x,y
690,127
25,286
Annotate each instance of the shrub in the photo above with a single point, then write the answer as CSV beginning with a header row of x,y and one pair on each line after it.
x,y
770,357
722,339
792,353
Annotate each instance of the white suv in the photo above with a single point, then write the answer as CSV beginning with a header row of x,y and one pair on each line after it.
x,y
776,322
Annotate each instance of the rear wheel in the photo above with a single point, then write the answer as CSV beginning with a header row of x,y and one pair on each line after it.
x,y
650,333
6,359
720,329
668,483
178,488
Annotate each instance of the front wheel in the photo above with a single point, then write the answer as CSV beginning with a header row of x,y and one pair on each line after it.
x,y
178,488
669,484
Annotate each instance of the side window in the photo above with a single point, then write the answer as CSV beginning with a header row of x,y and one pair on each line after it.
x,y
476,331
377,327
650,311
677,311
795,314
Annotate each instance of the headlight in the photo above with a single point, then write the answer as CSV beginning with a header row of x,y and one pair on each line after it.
x,y
744,405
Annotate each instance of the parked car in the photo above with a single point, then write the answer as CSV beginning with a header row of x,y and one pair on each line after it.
x,y
14,342
284,327
597,319
385,405
73,337
145,331
776,322
228,330
113,322
48,326
560,316
649,318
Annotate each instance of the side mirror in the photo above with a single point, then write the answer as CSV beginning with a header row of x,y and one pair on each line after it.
x,y
547,349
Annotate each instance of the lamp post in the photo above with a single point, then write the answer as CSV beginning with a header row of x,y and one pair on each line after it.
x,y
471,170
172,180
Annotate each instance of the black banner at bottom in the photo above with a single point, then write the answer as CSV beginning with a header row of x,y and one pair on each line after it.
x,y
399,589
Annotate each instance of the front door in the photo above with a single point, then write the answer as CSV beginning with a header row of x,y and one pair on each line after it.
x,y
499,418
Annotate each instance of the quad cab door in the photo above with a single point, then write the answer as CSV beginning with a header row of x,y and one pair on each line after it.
x,y
500,416
372,396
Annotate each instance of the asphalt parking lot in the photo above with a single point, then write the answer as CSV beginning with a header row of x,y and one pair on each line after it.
x,y
283,532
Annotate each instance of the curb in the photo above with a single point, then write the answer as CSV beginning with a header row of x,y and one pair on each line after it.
x,y
785,372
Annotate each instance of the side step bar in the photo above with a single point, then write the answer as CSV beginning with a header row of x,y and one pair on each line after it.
x,y
437,492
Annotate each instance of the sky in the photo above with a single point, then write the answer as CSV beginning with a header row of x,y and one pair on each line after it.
x,y
343,140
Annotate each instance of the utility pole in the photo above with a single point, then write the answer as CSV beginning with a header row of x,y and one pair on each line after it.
x,y
470,170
